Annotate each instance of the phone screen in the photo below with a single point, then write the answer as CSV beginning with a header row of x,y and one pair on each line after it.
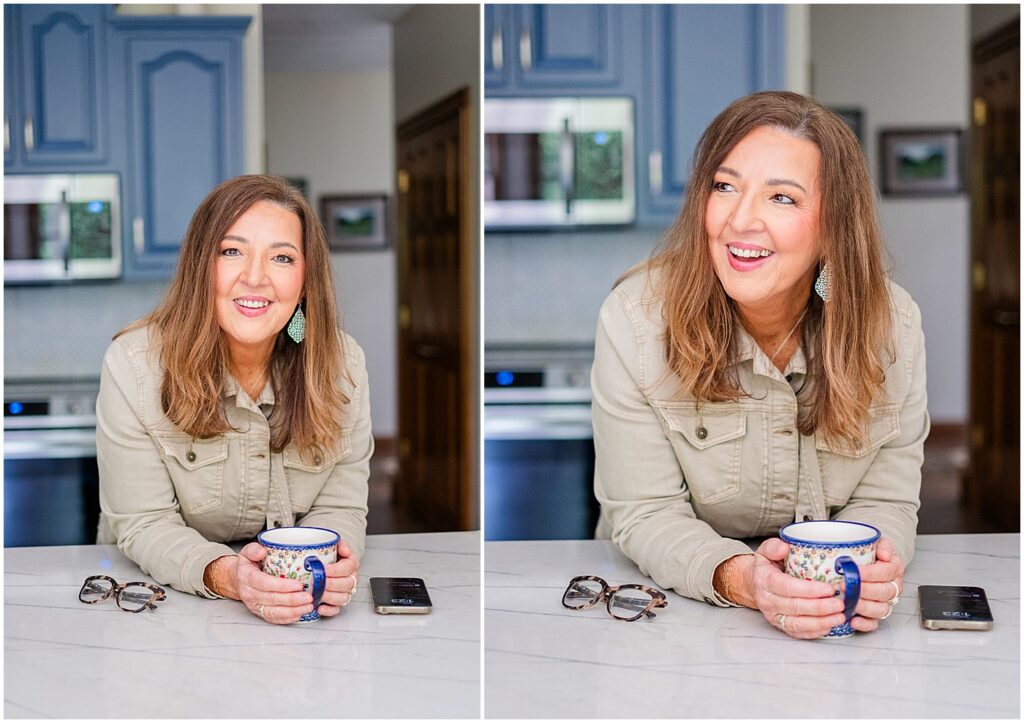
x,y
399,594
948,605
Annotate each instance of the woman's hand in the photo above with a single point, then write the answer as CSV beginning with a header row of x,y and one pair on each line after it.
x,y
342,579
275,599
881,584
800,608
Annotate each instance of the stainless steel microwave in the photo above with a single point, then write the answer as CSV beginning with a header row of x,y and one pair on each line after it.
x,y
552,162
62,226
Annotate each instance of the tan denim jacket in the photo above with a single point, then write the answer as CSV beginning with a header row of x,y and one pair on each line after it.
x,y
170,501
679,486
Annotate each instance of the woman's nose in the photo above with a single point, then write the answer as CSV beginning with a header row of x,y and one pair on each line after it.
x,y
255,272
745,216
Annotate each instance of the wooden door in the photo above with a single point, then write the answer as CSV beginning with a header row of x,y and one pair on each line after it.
x,y
993,481
437,415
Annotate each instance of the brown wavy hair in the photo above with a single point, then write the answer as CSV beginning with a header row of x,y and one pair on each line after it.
x,y
846,337
304,377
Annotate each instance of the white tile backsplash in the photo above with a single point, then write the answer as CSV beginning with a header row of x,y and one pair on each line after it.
x,y
548,287
63,331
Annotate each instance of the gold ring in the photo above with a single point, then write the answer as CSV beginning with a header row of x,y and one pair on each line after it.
x,y
259,610
780,621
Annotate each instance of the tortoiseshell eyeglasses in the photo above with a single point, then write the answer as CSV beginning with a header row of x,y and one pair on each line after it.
x,y
132,597
625,602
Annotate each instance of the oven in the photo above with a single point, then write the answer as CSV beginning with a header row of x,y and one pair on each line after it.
x,y
538,444
51,481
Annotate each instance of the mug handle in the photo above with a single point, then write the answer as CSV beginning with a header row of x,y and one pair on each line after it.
x,y
316,566
846,567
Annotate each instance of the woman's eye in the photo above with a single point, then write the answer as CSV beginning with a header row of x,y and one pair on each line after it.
x,y
230,251
721,186
784,199
284,259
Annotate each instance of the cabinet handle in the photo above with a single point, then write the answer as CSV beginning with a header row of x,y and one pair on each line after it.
x,y
525,51
654,172
497,50
139,234
7,133
30,135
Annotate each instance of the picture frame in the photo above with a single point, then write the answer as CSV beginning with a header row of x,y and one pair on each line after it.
x,y
854,118
921,162
355,222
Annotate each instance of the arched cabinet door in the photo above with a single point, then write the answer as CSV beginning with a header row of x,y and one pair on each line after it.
x,y
63,78
185,123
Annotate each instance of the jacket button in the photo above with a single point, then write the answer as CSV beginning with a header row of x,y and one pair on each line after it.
x,y
702,433
277,523
709,601
191,456
316,459
808,518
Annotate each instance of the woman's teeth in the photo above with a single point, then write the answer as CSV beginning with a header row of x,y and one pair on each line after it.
x,y
749,253
252,304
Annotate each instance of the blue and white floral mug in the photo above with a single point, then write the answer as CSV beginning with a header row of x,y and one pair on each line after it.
x,y
301,553
831,551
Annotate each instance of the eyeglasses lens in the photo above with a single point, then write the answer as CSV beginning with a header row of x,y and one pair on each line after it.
x,y
134,597
94,590
582,593
628,603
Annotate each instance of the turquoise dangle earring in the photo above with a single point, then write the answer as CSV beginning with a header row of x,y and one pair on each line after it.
x,y
823,284
297,326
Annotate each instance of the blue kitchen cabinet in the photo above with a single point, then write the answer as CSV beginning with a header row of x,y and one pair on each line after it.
x,y
555,49
10,94
55,88
697,59
497,45
179,86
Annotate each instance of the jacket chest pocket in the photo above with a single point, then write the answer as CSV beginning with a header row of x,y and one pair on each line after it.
x,y
196,467
843,465
306,476
708,445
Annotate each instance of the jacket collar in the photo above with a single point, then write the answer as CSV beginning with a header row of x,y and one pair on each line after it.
x,y
748,350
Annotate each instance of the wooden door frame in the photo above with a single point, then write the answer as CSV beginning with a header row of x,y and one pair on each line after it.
x,y
458,103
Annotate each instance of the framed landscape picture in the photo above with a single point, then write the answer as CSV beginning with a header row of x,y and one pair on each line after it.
x,y
355,222
921,162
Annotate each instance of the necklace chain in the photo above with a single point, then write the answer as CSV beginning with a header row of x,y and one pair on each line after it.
x,y
772,358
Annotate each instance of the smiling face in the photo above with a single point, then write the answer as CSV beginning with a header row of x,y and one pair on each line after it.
x,y
259,274
761,221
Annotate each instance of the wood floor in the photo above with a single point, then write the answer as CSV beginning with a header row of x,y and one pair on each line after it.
x,y
942,512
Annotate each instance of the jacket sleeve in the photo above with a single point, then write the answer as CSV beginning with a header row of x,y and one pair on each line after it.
x,y
637,479
889,494
136,493
341,504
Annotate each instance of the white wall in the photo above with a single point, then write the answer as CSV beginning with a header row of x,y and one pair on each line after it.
x,y
336,130
908,66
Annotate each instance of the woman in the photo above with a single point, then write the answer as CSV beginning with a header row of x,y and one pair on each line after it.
x,y
760,369
238,405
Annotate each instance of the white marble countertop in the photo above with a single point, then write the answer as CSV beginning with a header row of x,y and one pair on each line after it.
x,y
699,661
197,658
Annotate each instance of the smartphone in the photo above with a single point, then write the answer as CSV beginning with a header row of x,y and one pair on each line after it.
x,y
406,595
954,607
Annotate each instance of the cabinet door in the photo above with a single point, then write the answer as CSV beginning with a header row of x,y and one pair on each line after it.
x,y
574,46
11,110
497,48
62,55
699,59
185,121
